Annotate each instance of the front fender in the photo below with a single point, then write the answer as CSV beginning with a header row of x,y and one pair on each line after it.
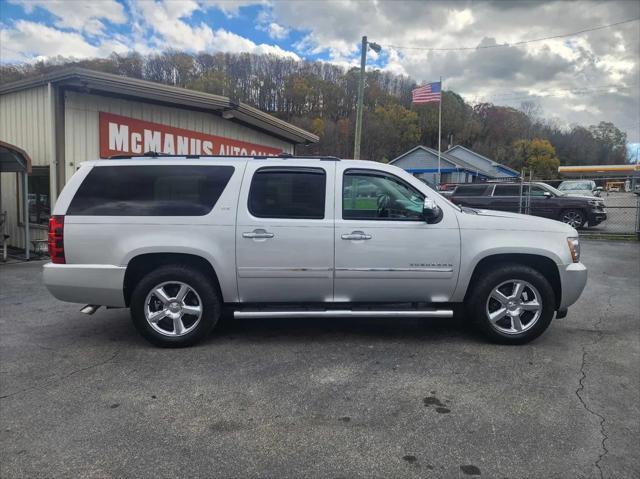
x,y
480,244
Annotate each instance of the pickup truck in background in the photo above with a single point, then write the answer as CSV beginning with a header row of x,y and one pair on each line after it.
x,y
537,199
178,239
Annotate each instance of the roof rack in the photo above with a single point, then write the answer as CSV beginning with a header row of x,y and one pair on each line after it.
x,y
305,157
153,154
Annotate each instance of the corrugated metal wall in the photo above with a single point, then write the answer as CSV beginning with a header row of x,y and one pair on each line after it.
x,y
23,123
81,125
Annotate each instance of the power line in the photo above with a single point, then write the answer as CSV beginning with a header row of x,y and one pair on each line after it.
x,y
518,95
515,44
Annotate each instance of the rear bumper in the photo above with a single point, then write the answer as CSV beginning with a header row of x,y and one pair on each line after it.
x,y
573,278
98,284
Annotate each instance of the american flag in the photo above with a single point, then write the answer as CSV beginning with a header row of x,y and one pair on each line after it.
x,y
426,94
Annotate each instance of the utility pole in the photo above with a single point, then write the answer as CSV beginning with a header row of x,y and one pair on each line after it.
x,y
439,183
363,63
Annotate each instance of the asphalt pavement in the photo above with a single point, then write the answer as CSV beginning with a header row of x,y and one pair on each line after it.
x,y
87,397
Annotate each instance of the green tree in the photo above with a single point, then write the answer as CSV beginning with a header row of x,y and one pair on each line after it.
x,y
538,155
390,131
611,141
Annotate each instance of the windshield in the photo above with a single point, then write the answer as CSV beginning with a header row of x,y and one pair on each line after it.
x,y
575,185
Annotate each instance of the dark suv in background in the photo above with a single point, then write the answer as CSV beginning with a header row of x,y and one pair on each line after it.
x,y
537,199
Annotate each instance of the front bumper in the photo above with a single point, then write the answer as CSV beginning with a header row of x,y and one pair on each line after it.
x,y
98,284
596,217
573,278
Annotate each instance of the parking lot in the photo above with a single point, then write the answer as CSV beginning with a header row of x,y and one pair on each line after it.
x,y
87,397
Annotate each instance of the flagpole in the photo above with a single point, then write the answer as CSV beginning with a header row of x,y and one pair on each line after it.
x,y
439,133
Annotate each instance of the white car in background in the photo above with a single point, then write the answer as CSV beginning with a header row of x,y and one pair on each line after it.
x,y
580,188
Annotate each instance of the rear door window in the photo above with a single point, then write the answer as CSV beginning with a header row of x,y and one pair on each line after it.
x,y
154,190
296,193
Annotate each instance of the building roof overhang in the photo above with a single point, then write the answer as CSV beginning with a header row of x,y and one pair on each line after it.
x,y
14,159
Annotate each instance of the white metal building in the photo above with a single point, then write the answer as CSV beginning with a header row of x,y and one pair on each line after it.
x,y
74,115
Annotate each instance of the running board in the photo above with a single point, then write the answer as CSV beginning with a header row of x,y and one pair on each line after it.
x,y
345,313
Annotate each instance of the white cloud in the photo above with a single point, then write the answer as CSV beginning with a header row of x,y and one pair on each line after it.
x,y
226,41
230,8
84,16
27,41
167,21
266,23
276,31
458,20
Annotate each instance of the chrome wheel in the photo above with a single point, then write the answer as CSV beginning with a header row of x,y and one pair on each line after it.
x,y
573,218
514,306
173,308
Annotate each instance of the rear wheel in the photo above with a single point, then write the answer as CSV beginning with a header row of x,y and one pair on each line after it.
x,y
574,218
513,304
175,306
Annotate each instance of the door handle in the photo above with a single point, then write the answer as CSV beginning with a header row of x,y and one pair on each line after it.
x,y
258,234
356,235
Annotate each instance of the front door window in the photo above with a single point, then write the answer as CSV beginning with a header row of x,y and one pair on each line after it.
x,y
367,196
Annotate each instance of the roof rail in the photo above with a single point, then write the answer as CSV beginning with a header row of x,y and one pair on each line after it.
x,y
153,154
304,157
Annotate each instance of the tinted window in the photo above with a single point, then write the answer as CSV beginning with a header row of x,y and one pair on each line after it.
x,y
288,193
471,190
154,190
373,196
507,190
535,191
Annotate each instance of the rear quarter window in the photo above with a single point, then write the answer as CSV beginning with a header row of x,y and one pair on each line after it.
x,y
154,190
507,190
471,190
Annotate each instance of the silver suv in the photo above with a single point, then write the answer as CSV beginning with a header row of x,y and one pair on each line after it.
x,y
177,239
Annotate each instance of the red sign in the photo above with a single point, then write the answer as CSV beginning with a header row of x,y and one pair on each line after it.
x,y
120,135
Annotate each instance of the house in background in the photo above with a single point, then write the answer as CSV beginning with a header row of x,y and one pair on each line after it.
x,y
482,162
457,165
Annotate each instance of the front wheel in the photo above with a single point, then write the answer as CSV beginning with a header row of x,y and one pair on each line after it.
x,y
513,304
175,306
573,218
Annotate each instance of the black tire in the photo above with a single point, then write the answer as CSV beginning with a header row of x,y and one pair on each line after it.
x,y
207,298
477,303
578,217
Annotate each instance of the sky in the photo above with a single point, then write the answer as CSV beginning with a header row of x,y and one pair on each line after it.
x,y
582,79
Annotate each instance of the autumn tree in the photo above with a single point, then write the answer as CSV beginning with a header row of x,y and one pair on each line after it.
x,y
537,155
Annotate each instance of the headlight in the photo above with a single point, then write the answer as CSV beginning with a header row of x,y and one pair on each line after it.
x,y
574,248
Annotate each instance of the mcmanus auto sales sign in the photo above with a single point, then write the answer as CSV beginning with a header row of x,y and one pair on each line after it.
x,y
120,135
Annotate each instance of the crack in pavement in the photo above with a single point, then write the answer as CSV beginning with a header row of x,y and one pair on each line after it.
x,y
581,388
61,378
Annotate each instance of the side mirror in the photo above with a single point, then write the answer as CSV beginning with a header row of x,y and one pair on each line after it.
x,y
431,212
547,194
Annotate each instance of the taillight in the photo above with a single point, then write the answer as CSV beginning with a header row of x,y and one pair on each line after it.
x,y
56,239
